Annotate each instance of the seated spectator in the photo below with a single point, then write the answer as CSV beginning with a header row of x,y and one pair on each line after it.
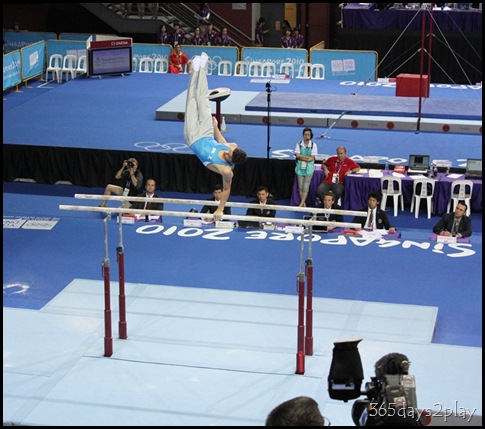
x,y
264,197
177,60
164,36
298,38
150,192
299,411
178,35
129,182
287,40
335,169
456,224
211,35
376,218
224,39
216,196
198,39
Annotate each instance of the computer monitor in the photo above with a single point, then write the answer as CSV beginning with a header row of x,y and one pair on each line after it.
x,y
473,168
418,162
110,61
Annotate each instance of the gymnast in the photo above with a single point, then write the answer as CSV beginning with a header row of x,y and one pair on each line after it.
x,y
202,134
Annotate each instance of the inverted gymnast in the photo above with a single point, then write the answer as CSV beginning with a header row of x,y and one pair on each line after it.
x,y
202,134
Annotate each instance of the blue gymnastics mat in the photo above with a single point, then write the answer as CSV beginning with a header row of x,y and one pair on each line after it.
x,y
367,105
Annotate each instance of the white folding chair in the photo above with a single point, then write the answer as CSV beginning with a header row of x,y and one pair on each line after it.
x,y
268,69
287,69
160,65
134,64
317,71
461,190
82,65
224,68
241,68
305,71
146,65
254,69
423,189
54,67
69,65
392,187
211,66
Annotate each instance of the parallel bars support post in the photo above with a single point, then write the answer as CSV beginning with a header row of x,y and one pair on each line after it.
x,y
309,292
309,308
300,281
120,254
108,336
300,354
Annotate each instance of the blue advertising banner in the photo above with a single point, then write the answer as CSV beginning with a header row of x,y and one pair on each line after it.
x,y
346,65
11,69
64,47
275,55
145,50
33,60
14,40
215,53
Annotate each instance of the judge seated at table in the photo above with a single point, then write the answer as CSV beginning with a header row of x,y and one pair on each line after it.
x,y
335,169
328,202
264,197
456,224
376,218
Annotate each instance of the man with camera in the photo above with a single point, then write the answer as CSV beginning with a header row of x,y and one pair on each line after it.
x,y
130,181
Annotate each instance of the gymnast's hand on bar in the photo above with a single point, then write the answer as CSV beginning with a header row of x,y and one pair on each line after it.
x,y
218,215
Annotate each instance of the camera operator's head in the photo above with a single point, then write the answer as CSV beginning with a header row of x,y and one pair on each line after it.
x,y
392,363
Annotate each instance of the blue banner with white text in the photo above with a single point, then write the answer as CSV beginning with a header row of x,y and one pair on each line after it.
x,y
33,60
346,65
11,69
275,55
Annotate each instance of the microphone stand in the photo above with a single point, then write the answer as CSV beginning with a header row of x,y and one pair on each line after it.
x,y
268,123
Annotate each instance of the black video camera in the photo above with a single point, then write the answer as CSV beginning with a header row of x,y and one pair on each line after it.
x,y
130,164
391,394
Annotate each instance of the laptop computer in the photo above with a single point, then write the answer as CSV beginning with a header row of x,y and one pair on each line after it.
x,y
418,164
248,224
320,228
473,168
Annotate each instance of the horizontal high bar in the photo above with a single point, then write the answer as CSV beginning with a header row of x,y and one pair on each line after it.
x,y
312,210
299,222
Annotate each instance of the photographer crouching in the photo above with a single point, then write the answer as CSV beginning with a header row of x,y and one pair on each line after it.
x,y
129,182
